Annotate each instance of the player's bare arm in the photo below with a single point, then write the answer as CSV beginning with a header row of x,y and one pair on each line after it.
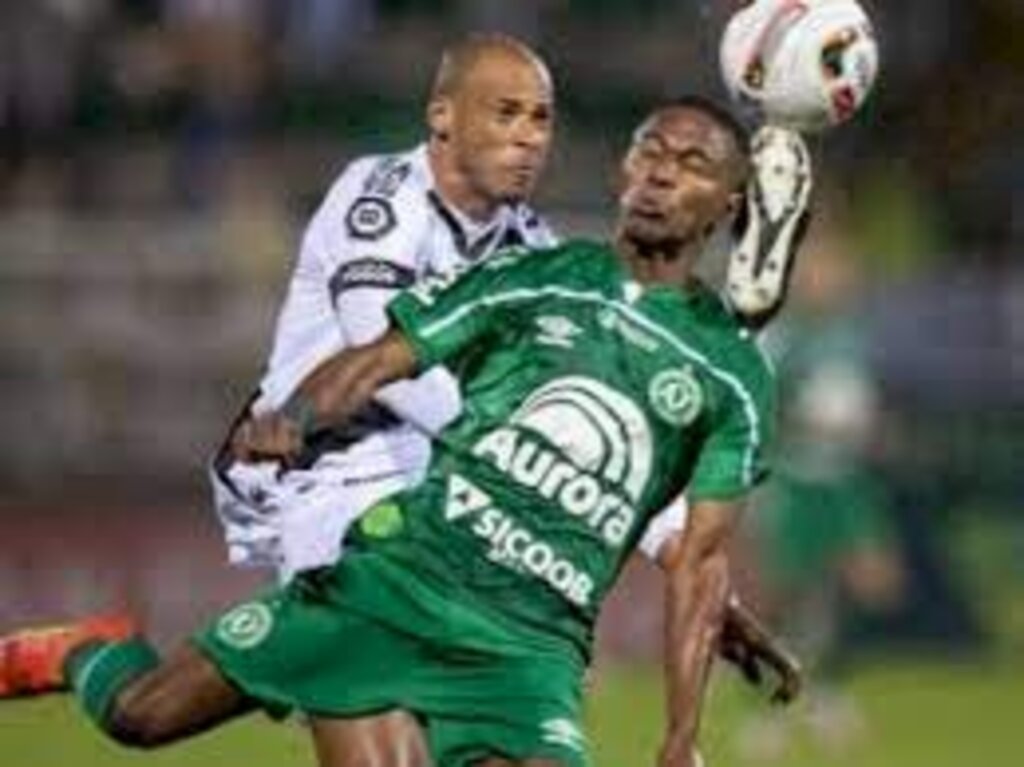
x,y
697,597
339,387
747,643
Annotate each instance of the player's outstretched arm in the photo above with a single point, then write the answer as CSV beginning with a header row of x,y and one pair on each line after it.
x,y
750,646
697,595
339,387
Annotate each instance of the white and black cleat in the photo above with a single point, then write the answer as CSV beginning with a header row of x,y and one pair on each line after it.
x,y
772,225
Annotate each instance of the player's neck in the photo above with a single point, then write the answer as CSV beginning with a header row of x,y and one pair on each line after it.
x,y
672,264
454,188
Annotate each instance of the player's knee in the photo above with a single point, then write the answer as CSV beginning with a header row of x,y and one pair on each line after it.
x,y
141,720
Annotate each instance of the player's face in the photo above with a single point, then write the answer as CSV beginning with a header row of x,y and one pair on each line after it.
x,y
501,127
678,179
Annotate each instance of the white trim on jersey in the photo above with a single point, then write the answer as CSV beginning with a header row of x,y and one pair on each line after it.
x,y
524,294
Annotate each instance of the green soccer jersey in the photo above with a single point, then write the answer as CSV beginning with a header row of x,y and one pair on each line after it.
x,y
590,402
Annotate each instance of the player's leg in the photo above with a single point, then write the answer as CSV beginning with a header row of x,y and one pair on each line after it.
x,y
392,739
31,659
142,701
120,679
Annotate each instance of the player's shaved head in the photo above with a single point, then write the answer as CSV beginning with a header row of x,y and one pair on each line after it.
x,y
460,60
490,118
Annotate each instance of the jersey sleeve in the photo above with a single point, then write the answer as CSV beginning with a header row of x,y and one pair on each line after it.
x,y
442,316
663,525
366,237
430,401
369,234
733,459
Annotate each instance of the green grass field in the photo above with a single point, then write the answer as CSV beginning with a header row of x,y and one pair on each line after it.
x,y
914,716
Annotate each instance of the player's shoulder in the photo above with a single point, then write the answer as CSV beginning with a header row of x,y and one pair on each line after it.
x,y
746,361
734,348
375,195
384,175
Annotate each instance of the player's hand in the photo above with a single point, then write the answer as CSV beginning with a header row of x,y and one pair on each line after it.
x,y
267,437
771,225
747,645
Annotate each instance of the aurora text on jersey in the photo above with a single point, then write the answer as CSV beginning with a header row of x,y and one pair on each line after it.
x,y
590,402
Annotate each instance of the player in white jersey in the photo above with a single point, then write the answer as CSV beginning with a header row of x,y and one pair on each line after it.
x,y
386,223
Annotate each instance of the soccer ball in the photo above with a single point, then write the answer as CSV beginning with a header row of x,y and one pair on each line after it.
x,y
803,64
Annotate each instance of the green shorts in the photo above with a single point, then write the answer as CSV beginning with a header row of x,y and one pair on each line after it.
x,y
366,636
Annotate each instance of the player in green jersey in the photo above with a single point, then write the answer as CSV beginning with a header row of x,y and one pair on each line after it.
x,y
599,381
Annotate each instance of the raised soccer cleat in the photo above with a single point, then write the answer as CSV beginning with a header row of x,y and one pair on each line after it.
x,y
32,660
773,224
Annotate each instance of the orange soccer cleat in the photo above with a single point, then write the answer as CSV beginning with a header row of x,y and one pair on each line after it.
x,y
31,660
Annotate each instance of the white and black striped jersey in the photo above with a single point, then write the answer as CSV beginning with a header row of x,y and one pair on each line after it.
x,y
382,227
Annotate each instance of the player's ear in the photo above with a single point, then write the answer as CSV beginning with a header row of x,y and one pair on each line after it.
x,y
735,203
737,213
620,174
440,117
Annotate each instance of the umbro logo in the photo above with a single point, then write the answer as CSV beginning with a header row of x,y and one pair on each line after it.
x,y
556,330
564,732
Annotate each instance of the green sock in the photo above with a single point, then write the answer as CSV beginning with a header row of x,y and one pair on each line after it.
x,y
98,671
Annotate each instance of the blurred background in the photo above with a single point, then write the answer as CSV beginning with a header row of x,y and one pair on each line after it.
x,y
158,160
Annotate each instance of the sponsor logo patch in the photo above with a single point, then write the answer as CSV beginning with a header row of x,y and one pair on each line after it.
x,y
511,545
387,177
563,732
676,396
382,521
245,626
370,218
556,330
610,320
371,273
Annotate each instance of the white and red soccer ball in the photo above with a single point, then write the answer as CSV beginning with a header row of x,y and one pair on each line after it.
x,y
807,65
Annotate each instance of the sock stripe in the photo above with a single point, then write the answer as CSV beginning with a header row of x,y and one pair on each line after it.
x,y
102,671
82,676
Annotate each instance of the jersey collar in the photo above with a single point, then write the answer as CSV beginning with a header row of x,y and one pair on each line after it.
x,y
472,238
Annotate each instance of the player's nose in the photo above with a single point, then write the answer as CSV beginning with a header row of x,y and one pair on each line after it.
x,y
533,135
660,174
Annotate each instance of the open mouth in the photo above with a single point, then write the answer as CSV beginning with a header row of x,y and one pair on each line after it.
x,y
647,210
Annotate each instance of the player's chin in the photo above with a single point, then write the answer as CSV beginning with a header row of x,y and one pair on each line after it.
x,y
517,189
516,184
644,230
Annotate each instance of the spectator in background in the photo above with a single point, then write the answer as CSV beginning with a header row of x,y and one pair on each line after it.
x,y
822,530
226,56
319,35
41,50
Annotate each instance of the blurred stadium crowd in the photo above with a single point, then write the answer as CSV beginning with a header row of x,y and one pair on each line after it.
x,y
90,86
159,157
